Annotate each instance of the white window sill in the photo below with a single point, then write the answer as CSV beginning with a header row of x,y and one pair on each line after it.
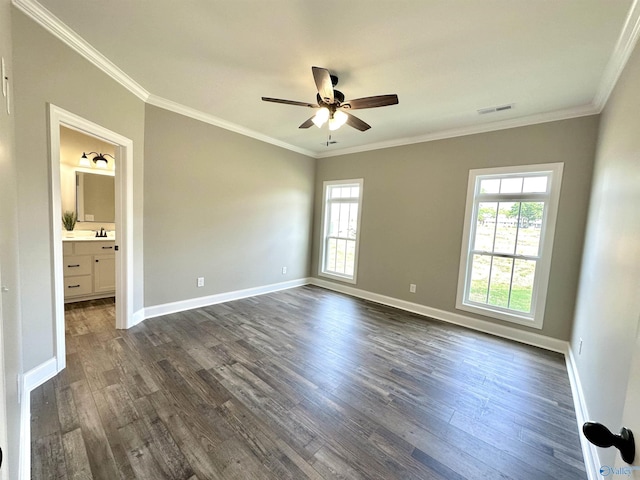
x,y
501,315
336,276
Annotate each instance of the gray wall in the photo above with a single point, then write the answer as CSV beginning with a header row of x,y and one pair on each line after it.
x,y
47,71
223,206
608,305
9,300
413,211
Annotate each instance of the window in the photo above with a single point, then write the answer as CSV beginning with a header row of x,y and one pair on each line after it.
x,y
341,214
508,236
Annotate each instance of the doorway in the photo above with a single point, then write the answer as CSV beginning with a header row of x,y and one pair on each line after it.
x,y
123,153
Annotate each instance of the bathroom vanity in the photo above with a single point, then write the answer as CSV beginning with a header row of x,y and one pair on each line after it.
x,y
89,268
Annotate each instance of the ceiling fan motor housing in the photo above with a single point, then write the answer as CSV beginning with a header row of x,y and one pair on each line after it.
x,y
338,97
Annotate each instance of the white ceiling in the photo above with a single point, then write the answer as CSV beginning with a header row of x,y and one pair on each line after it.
x,y
445,59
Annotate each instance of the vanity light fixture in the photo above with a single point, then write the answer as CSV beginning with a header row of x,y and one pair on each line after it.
x,y
99,159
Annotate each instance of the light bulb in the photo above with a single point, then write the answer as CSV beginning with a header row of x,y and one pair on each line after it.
x,y
321,117
84,161
339,119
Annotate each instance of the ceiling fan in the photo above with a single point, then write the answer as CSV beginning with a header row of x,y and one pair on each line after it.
x,y
332,106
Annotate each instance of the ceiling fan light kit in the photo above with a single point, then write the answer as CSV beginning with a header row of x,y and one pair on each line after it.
x,y
321,117
338,119
331,104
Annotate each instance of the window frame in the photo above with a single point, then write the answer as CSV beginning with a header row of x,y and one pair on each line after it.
x,y
325,226
543,266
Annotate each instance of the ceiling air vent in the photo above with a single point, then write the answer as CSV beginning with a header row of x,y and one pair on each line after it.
x,y
501,108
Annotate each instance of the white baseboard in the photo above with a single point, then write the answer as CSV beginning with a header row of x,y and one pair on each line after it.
x,y
174,307
137,318
504,331
589,451
29,381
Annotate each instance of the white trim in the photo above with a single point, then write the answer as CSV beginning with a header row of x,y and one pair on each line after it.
x,y
219,122
61,31
620,56
28,382
38,375
138,317
589,451
199,302
499,330
582,111
626,42
124,220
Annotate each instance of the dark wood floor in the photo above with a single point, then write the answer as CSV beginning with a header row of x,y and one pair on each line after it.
x,y
303,383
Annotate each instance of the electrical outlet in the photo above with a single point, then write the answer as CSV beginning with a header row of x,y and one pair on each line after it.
x,y
284,270
200,281
580,347
412,288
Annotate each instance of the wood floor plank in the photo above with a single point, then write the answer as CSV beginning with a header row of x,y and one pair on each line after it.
x,y
165,444
75,454
101,458
300,384
48,460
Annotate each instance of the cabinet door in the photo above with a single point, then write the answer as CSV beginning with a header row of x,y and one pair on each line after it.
x,y
104,273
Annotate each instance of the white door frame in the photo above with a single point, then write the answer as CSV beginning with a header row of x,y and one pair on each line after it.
x,y
124,220
4,475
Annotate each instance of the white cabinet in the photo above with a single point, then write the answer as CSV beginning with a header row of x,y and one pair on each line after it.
x,y
104,273
89,270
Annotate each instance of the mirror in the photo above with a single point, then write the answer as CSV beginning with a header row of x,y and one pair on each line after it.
x,y
95,197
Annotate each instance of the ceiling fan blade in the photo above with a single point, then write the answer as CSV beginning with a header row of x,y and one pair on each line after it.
x,y
356,123
323,83
308,123
371,102
289,102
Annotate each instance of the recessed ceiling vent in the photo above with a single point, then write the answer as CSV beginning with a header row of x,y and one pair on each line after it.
x,y
501,108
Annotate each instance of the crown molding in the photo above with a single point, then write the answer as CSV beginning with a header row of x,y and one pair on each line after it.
x,y
565,114
219,122
61,31
624,47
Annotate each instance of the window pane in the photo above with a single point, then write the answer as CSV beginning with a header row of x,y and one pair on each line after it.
x,y
524,272
330,263
485,226
500,281
535,185
511,185
334,192
479,278
491,185
355,192
507,227
340,256
343,225
530,227
333,220
350,257
345,192
353,221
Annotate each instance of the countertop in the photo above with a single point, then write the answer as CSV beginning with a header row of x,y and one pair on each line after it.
x,y
88,236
